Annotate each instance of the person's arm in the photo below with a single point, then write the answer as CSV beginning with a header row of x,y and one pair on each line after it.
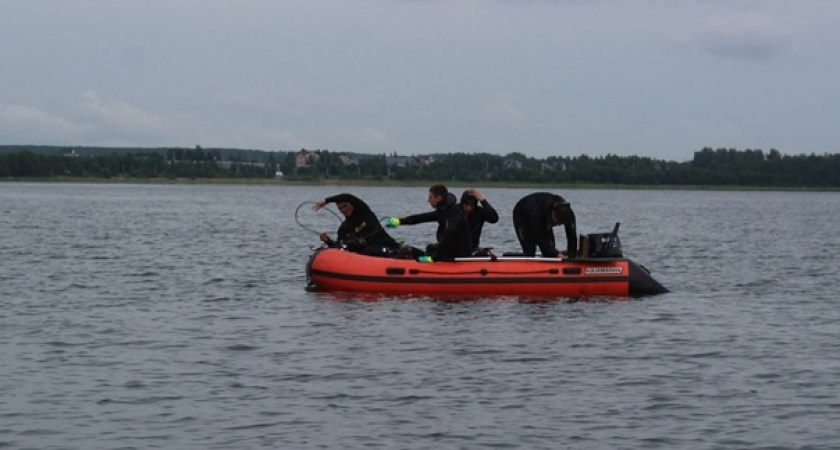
x,y
349,198
571,237
490,214
342,230
340,235
545,241
358,204
430,216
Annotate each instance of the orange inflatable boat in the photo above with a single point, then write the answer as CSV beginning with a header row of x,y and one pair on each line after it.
x,y
333,269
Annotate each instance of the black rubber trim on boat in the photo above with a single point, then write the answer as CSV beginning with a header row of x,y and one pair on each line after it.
x,y
467,280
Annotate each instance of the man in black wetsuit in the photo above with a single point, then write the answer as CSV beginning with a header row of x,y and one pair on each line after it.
x,y
360,232
453,232
478,211
533,218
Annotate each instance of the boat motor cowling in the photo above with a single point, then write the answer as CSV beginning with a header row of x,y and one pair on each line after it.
x,y
601,245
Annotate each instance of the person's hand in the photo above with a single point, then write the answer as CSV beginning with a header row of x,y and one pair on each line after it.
x,y
324,237
318,205
392,222
476,193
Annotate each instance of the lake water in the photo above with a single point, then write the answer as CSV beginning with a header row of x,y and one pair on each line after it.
x,y
152,316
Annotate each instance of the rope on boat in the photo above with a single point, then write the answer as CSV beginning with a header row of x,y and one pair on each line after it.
x,y
311,230
485,271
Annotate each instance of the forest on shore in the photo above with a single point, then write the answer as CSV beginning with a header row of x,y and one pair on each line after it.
x,y
708,167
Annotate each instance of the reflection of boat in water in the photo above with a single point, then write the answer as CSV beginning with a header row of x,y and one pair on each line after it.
x,y
605,272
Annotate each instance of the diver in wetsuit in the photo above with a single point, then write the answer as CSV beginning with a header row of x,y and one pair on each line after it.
x,y
478,211
453,232
360,231
535,215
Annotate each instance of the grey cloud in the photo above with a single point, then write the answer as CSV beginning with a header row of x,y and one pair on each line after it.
x,y
755,46
747,37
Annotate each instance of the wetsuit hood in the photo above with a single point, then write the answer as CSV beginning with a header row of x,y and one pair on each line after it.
x,y
468,198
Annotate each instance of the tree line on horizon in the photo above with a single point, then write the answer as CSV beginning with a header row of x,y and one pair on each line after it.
x,y
709,167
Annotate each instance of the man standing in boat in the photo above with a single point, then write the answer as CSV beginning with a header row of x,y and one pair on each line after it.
x,y
360,231
478,211
535,215
453,232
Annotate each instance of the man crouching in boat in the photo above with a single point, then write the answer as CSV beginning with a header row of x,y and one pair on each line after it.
x,y
453,232
533,218
360,231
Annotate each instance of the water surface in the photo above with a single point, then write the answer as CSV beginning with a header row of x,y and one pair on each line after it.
x,y
151,316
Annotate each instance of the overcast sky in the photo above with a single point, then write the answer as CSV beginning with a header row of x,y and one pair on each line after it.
x,y
657,78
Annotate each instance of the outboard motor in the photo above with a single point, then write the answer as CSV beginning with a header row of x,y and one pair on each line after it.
x,y
602,245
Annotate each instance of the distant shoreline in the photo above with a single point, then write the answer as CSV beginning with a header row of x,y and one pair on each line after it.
x,y
396,183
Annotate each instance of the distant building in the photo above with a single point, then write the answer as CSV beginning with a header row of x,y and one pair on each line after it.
x,y
426,160
409,161
346,160
399,161
306,157
512,164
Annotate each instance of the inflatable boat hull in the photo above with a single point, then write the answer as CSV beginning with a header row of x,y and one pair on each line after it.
x,y
340,270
